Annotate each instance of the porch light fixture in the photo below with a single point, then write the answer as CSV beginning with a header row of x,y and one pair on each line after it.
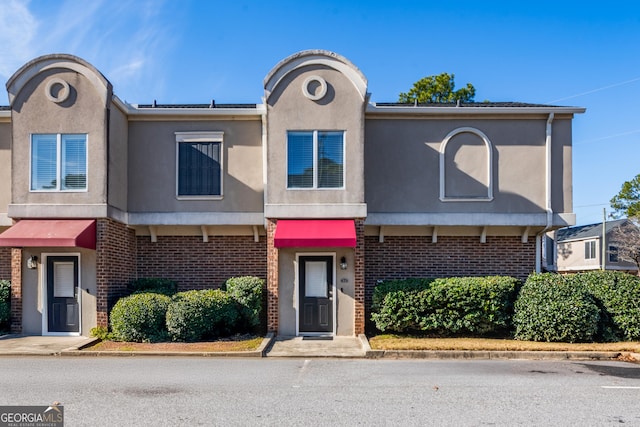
x,y
32,262
343,263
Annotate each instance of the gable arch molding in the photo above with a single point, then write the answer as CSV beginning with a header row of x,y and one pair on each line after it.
x,y
20,78
489,166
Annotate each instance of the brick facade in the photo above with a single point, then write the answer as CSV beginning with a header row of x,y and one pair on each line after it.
x,y
16,291
115,264
359,279
272,278
195,264
401,257
5,263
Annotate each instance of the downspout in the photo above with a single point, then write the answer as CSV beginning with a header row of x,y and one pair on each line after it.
x,y
265,141
548,207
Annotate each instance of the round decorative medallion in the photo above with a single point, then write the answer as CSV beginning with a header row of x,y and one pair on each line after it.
x,y
314,88
57,90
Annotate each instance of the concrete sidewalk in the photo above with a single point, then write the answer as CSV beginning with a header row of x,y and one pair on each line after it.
x,y
346,347
27,345
282,346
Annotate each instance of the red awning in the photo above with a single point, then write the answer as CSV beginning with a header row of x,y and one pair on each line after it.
x,y
80,233
321,233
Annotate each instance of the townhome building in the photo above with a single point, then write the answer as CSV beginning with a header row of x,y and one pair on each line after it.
x,y
583,248
317,189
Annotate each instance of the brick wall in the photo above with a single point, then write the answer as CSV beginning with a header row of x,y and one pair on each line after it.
x,y
359,279
195,264
16,290
5,263
415,256
272,278
115,264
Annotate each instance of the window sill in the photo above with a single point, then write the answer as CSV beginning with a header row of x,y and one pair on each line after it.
x,y
58,191
466,199
199,197
312,188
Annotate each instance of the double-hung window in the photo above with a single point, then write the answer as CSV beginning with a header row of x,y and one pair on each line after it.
x,y
315,159
613,254
58,162
199,164
590,249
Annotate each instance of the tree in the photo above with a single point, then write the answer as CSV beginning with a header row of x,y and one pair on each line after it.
x,y
626,240
627,201
437,89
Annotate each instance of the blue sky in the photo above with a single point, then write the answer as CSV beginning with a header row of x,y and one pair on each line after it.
x,y
573,53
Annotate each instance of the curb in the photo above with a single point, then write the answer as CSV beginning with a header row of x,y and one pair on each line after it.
x,y
494,355
78,352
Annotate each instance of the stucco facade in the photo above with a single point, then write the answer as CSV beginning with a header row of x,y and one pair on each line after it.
x,y
423,190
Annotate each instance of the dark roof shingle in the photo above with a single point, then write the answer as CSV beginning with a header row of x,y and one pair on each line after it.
x,y
586,231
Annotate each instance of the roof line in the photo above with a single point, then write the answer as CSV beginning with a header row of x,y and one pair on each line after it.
x,y
373,108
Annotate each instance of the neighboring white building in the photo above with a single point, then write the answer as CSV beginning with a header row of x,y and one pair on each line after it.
x,y
580,248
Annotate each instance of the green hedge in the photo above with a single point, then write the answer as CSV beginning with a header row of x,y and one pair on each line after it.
x,y
445,307
555,308
247,291
593,306
203,314
150,313
152,284
140,318
618,296
5,304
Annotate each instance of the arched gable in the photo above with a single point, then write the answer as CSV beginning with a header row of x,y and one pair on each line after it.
x,y
59,61
315,57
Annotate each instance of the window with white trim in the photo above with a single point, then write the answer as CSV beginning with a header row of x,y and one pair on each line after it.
x,y
199,164
315,159
590,249
58,162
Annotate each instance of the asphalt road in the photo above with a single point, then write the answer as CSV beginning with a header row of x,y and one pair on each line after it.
x,y
178,391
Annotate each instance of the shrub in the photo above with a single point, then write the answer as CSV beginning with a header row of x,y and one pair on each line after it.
x,y
5,304
203,314
406,285
140,317
247,291
155,285
618,295
554,308
101,332
452,306
471,305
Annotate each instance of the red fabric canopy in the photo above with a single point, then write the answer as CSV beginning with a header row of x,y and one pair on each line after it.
x,y
321,233
80,233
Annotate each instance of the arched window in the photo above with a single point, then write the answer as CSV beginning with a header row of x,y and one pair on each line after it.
x,y
466,166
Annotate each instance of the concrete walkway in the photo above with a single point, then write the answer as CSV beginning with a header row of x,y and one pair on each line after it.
x,y
349,347
27,345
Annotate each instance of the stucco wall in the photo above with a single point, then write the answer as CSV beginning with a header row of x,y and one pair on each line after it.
x,y
5,170
118,159
34,287
83,112
288,291
342,109
152,167
402,169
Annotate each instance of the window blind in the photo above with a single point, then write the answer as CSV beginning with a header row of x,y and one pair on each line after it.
x,y
300,160
199,171
44,160
330,159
